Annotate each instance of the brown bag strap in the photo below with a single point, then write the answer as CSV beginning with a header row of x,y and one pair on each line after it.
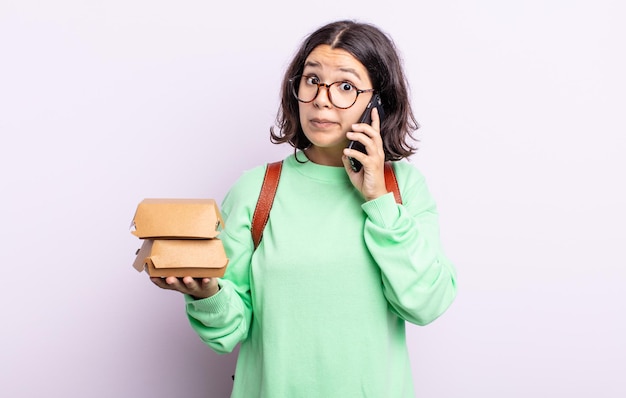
x,y
268,192
266,199
391,183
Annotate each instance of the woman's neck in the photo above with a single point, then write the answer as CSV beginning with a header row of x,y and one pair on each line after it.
x,y
325,156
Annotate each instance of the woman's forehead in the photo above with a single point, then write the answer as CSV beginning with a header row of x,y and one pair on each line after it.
x,y
328,59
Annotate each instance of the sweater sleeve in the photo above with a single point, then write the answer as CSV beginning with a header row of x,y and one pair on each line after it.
x,y
419,282
223,320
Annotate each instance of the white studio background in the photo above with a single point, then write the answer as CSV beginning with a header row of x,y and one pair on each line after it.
x,y
522,109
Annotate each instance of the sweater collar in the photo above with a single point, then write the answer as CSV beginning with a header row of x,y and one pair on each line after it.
x,y
317,171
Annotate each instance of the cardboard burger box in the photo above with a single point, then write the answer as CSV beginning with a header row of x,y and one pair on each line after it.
x,y
180,238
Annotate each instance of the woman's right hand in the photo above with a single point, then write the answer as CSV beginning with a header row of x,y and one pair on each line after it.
x,y
198,288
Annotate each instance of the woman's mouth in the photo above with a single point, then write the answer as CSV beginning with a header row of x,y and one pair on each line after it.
x,y
322,123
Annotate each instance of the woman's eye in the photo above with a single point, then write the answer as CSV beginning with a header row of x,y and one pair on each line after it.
x,y
313,80
345,86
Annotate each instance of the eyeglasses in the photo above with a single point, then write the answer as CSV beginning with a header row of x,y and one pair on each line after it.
x,y
341,94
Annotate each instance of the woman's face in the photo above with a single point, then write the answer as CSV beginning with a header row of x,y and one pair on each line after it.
x,y
323,123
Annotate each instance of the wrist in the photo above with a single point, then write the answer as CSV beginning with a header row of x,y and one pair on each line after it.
x,y
375,195
210,293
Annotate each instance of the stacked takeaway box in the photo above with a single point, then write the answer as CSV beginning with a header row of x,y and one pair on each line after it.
x,y
179,238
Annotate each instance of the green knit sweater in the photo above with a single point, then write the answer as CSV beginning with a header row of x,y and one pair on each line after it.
x,y
320,307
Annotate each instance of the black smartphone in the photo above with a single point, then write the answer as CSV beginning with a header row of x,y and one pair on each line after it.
x,y
375,102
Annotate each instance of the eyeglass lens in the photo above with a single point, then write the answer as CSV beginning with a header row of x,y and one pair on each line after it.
x,y
341,94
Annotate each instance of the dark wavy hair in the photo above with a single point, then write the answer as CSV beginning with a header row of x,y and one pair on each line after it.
x,y
378,53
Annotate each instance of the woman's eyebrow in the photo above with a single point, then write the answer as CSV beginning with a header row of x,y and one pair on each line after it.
x,y
351,71
314,64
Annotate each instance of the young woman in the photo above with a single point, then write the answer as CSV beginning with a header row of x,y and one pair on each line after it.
x,y
319,308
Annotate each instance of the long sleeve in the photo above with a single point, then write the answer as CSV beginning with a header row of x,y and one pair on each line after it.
x,y
329,288
223,320
418,280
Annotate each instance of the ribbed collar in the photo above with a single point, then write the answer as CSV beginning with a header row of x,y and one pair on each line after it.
x,y
332,174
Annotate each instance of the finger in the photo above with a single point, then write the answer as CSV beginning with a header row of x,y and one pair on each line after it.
x,y
169,283
376,119
212,286
191,283
200,287
346,163
353,153
208,283
371,132
371,141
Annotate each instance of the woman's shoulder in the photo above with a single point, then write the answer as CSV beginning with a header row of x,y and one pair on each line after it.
x,y
406,171
245,191
248,184
412,184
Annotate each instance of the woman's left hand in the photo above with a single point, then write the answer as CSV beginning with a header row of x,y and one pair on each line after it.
x,y
370,180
